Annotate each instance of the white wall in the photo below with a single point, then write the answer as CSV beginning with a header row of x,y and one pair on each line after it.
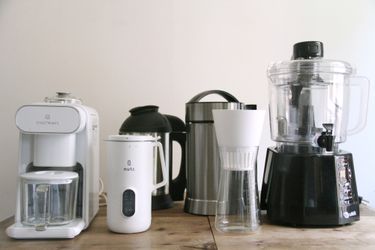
x,y
119,54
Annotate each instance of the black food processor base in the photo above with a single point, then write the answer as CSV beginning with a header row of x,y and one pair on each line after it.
x,y
310,189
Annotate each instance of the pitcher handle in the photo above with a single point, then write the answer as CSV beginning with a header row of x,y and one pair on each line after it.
x,y
163,166
364,85
177,185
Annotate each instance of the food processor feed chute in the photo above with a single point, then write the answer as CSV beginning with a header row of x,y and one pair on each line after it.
x,y
303,115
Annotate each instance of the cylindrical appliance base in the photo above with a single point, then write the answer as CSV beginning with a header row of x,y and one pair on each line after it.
x,y
200,207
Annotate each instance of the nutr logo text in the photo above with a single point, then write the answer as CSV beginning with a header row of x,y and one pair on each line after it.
x,y
129,166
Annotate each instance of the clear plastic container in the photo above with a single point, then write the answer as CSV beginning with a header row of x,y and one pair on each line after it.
x,y
238,135
48,198
309,93
237,207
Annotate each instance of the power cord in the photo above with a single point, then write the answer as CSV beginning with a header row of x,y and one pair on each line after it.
x,y
102,194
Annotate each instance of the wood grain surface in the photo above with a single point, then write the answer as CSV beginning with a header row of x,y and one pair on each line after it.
x,y
170,229
174,229
359,235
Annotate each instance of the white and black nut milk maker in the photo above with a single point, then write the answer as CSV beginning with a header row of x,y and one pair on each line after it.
x,y
147,120
308,180
130,163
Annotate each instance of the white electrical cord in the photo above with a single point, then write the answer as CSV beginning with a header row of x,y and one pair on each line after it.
x,y
365,202
102,195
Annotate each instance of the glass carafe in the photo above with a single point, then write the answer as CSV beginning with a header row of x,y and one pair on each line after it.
x,y
48,198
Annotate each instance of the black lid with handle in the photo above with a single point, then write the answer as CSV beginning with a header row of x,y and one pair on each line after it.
x,y
145,119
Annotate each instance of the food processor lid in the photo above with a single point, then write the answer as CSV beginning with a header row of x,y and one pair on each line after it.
x,y
132,138
50,177
307,58
309,66
145,119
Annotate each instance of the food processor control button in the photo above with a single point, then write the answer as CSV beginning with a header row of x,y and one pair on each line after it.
x,y
345,214
348,201
342,197
349,171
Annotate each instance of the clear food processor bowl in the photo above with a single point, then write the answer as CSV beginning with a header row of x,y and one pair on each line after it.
x,y
308,97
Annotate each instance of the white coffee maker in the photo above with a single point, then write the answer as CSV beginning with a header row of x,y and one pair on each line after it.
x,y
58,182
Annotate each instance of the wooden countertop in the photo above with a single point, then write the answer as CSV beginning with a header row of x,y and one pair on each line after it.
x,y
174,229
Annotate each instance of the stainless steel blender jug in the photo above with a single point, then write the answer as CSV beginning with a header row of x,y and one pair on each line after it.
x,y
202,162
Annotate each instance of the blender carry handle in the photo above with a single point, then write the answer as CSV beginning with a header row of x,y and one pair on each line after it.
x,y
226,95
163,167
364,85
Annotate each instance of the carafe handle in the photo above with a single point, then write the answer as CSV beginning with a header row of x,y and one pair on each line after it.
x,y
177,186
363,84
163,166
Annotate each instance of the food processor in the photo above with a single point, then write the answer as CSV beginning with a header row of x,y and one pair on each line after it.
x,y
308,180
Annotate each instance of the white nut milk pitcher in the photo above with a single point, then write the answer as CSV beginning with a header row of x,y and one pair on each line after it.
x,y
131,160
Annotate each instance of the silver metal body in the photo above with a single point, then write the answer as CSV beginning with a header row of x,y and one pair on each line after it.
x,y
203,162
